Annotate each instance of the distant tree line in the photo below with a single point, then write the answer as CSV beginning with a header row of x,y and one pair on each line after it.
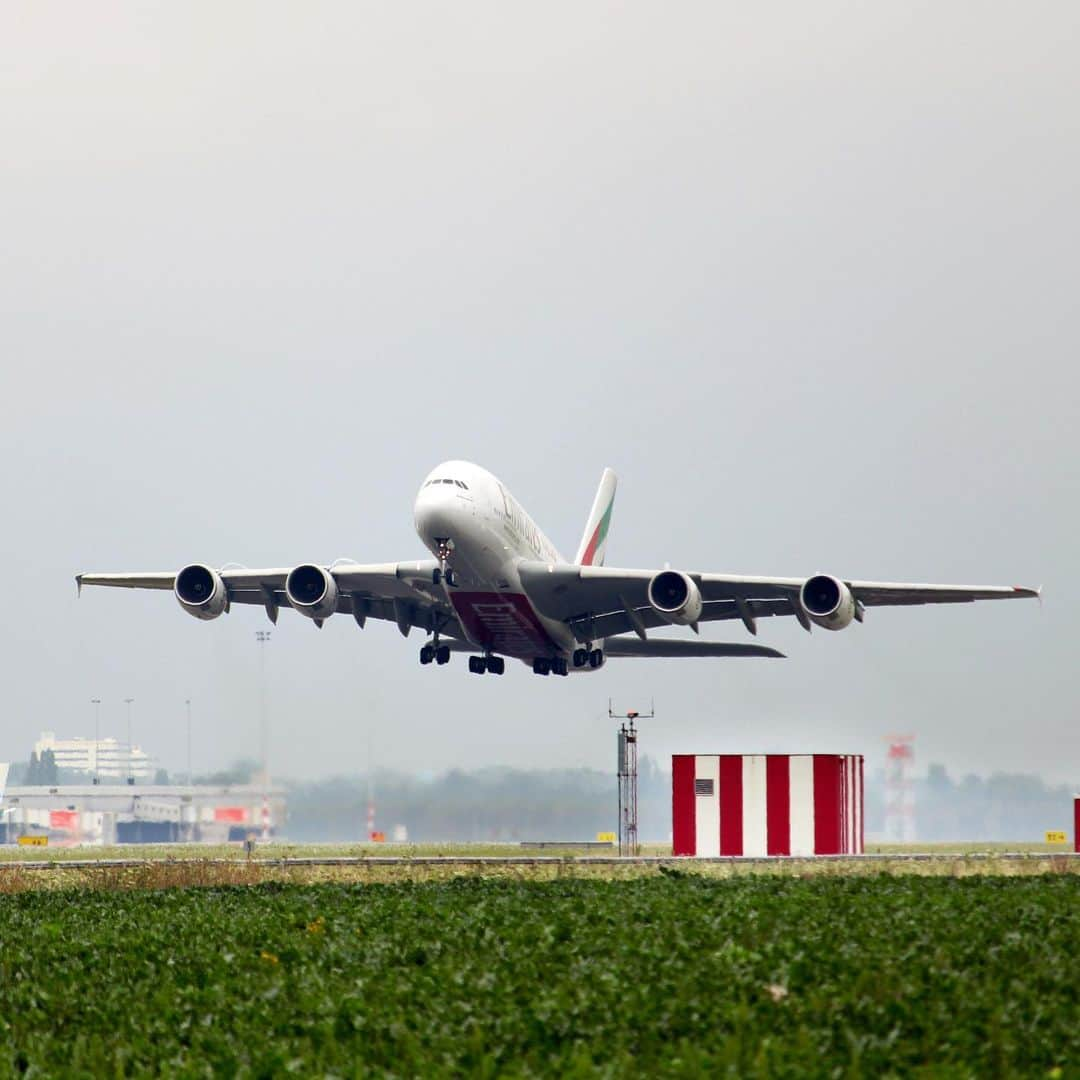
x,y
42,770
501,804
491,804
1004,806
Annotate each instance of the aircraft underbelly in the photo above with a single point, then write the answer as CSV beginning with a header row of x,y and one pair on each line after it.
x,y
503,622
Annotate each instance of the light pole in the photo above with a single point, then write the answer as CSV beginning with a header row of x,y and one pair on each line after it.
x,y
96,702
130,762
187,702
262,637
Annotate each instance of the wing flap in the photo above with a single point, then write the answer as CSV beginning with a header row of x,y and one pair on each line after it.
x,y
586,628
417,613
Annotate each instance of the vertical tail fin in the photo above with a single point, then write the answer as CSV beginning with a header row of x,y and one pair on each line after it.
x,y
594,539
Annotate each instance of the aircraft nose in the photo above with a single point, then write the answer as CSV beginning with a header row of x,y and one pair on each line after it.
x,y
431,514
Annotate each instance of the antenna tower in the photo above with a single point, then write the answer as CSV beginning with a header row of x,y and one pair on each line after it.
x,y
628,773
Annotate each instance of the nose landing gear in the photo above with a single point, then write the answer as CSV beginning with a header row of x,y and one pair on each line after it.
x,y
444,548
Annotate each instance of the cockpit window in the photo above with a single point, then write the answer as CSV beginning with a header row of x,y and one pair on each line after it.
x,y
462,484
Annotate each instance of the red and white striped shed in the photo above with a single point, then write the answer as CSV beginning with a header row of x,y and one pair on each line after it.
x,y
767,804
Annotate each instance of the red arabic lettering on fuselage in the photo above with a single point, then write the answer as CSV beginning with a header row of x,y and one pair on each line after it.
x,y
502,622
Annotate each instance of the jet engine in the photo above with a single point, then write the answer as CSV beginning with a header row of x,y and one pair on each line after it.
x,y
201,591
827,601
675,597
312,591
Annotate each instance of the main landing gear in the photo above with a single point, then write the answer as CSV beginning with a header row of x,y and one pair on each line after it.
x,y
556,665
444,572
593,657
439,653
494,665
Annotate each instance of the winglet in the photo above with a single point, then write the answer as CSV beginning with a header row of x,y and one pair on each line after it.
x,y
1027,590
78,585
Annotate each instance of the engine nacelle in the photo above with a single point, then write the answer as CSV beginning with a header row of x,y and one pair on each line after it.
x,y
201,591
312,591
675,597
827,601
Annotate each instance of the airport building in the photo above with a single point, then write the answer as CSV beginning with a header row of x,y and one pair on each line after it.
x,y
101,757
121,813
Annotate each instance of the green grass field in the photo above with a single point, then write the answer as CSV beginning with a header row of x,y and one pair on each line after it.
x,y
671,974
55,853
179,866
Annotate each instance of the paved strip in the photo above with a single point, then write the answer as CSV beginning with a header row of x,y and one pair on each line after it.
x,y
546,860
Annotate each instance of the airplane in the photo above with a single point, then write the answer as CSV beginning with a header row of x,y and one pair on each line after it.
x,y
497,587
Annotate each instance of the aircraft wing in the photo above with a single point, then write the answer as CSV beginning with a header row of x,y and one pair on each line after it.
x,y
634,646
596,601
401,593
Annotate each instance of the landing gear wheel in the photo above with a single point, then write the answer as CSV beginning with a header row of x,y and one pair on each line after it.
x,y
496,665
559,666
581,657
436,576
596,658
477,665
541,666
450,577
427,654
442,654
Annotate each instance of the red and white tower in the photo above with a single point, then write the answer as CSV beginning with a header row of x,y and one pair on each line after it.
x,y
899,792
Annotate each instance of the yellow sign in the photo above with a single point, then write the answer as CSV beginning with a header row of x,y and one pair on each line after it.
x,y
33,841
1053,836
605,837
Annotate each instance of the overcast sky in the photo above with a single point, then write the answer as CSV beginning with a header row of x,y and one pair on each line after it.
x,y
805,276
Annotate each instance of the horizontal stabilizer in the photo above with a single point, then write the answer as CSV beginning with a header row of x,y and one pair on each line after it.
x,y
634,646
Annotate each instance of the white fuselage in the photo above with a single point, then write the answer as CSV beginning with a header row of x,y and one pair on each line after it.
x,y
490,534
